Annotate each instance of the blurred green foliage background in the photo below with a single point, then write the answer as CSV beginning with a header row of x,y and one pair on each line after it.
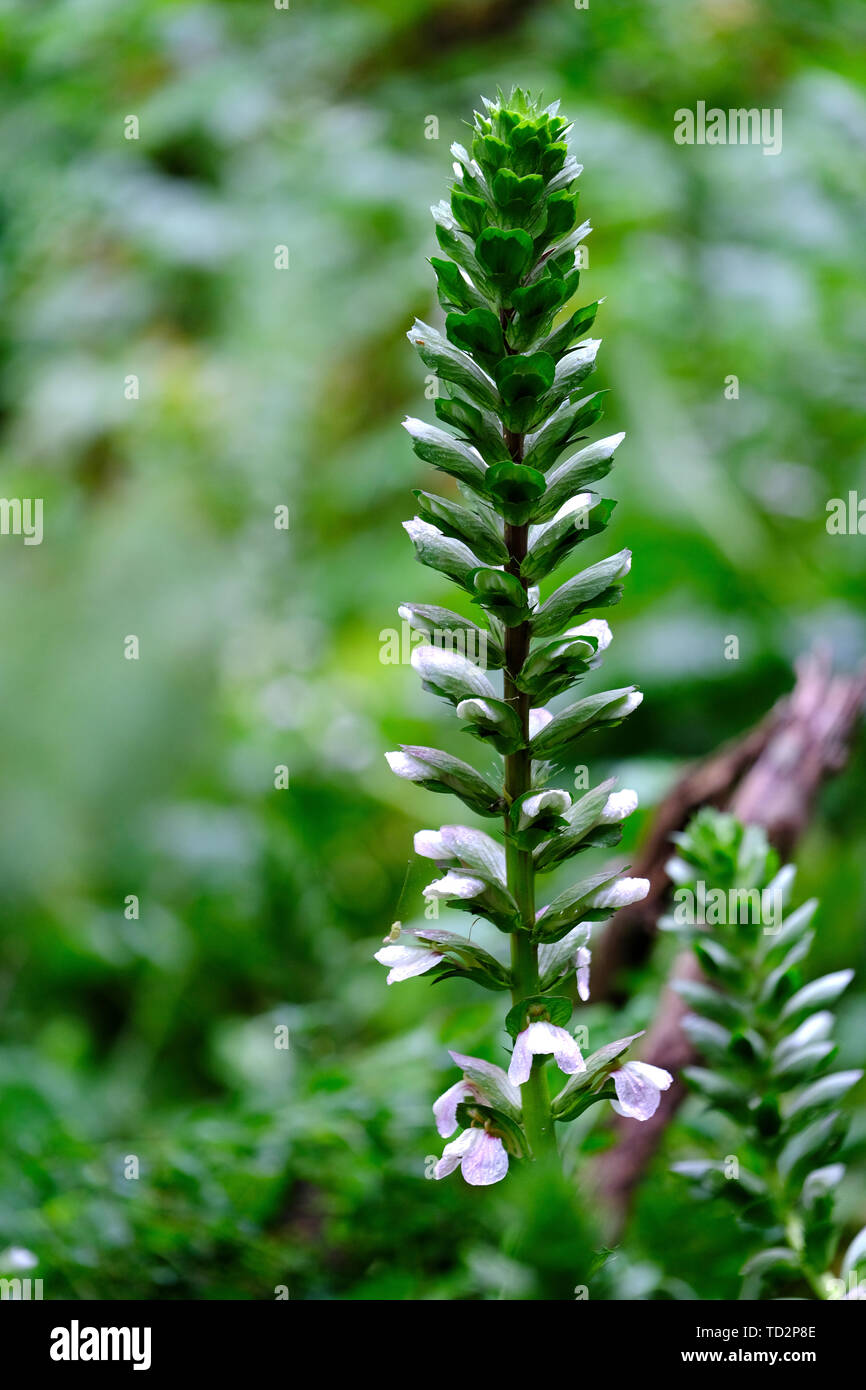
x,y
308,127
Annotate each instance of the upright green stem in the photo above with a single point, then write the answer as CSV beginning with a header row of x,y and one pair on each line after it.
x,y
535,1097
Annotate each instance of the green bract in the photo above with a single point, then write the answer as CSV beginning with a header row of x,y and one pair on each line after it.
x,y
511,357
765,1037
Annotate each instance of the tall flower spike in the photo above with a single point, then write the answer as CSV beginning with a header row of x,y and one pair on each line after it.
x,y
512,357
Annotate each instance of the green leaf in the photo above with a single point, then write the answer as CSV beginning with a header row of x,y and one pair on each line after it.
x,y
493,721
710,1002
802,1062
480,428
777,1257
505,256
454,290
717,1089
475,528
478,332
536,306
855,1256
774,945
574,368
568,333
710,1039
501,593
516,195
717,961
515,489
469,211
523,381
555,1007
510,1132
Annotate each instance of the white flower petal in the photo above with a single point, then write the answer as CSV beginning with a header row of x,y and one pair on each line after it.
x,y
578,503
445,1108
598,628
430,845
406,961
452,1154
417,530
638,1087
566,1053
486,1161
542,1037
532,806
521,1060
621,893
584,956
538,720
618,806
454,885
405,766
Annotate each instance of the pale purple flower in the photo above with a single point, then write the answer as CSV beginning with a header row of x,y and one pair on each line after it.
x,y
405,961
584,956
638,1087
543,1037
481,1157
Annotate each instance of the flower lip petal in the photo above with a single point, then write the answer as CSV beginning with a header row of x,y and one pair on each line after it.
x,y
452,1154
486,1161
638,1087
